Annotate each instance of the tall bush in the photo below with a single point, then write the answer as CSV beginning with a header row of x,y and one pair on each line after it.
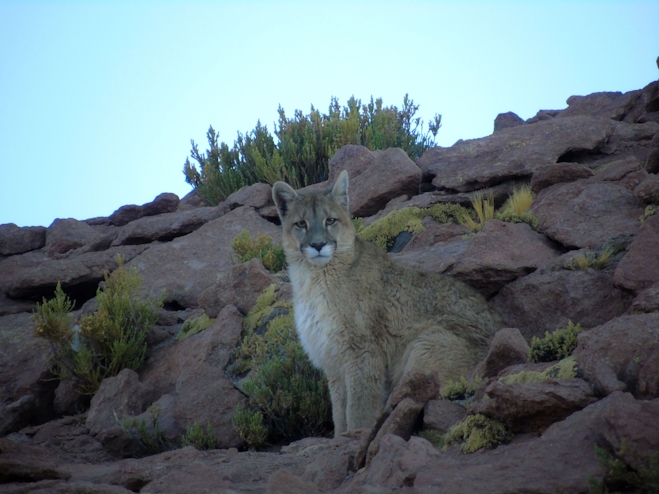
x,y
304,146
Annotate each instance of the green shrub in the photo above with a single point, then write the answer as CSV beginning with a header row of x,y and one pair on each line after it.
x,y
194,326
304,146
199,438
148,434
555,346
590,259
105,342
288,396
384,231
477,432
461,389
261,247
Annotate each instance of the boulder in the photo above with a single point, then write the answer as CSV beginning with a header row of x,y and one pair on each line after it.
x,y
542,302
508,348
500,253
64,235
17,240
639,268
652,161
241,287
163,203
188,265
257,196
511,153
534,406
434,233
191,201
558,173
622,355
506,120
376,177
647,192
613,105
627,173
167,226
582,214
437,258
646,301
26,393
441,415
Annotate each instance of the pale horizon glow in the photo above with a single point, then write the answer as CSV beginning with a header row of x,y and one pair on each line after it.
x,y
99,100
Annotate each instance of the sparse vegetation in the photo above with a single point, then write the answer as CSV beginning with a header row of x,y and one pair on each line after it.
x,y
288,396
514,210
436,438
199,438
484,207
147,433
477,432
305,143
105,342
555,346
261,247
384,231
194,326
650,210
565,369
620,477
461,390
590,259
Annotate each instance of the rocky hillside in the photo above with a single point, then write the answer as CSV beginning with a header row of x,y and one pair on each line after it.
x,y
592,259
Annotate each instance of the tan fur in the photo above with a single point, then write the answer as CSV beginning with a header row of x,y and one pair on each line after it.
x,y
365,320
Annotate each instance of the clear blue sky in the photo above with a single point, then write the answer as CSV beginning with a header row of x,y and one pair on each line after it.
x,y
99,100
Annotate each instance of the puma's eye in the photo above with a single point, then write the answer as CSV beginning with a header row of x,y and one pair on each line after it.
x,y
330,221
301,224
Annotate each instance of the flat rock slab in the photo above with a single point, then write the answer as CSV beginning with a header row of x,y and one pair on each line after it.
x,y
622,355
639,268
500,253
511,153
17,240
188,265
376,177
542,302
583,214
437,258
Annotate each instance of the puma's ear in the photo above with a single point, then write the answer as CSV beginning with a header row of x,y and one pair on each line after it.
x,y
283,195
340,190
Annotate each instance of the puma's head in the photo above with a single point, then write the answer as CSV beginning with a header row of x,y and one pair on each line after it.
x,y
317,226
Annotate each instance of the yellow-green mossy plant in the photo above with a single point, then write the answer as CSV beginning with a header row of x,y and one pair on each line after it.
x,y
261,247
555,346
461,389
590,259
565,369
515,209
650,210
288,396
194,326
105,342
477,432
384,231
483,205
435,437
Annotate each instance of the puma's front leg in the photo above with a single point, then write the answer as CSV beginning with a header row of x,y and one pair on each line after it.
x,y
366,392
337,389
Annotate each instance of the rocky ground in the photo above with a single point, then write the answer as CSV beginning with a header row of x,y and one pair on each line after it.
x,y
594,167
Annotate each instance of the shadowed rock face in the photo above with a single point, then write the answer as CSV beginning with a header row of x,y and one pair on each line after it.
x,y
593,166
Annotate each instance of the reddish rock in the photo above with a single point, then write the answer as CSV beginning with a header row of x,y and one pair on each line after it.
x,y
191,201
376,177
622,355
17,240
652,162
163,203
500,253
433,234
542,302
558,173
23,463
64,235
627,173
437,258
646,301
240,287
284,482
582,214
188,265
511,153
257,196
508,348
441,415
613,105
506,120
534,406
647,192
639,268
167,226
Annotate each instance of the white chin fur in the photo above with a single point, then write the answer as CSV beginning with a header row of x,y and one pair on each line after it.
x,y
318,258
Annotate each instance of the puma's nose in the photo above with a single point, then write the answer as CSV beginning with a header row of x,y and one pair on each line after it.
x,y
318,246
